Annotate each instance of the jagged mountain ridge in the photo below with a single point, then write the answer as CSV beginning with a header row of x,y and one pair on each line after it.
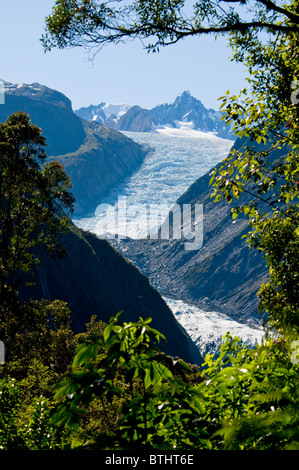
x,y
186,109
102,112
95,157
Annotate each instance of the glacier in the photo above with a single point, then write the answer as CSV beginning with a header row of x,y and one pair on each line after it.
x,y
207,328
177,157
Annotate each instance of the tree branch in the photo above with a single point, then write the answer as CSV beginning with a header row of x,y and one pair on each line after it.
x,y
102,25
272,6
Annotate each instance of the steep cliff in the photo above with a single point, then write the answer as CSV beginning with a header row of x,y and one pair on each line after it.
x,y
48,109
188,109
136,119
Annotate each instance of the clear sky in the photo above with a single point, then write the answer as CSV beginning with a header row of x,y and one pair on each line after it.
x,y
120,74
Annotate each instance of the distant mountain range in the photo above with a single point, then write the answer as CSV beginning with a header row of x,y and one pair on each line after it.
x,y
184,110
102,112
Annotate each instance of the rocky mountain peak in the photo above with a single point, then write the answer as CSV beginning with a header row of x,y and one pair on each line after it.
x,y
36,91
185,108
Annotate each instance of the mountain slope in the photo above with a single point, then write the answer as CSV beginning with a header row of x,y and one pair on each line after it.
x,y
103,111
95,157
105,157
96,280
188,109
136,119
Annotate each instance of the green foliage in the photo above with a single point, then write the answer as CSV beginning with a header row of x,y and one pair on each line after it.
x,y
9,403
257,393
39,343
244,399
36,430
121,395
119,391
124,368
36,331
25,427
29,374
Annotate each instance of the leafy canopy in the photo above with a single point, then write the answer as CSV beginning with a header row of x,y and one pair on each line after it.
x,y
92,23
247,398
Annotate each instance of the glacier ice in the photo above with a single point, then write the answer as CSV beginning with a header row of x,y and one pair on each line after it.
x,y
177,159
207,329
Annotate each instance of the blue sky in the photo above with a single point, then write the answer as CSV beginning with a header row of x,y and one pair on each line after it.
x,y
124,73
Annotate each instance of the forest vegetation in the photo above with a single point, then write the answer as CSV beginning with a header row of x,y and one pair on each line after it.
x,y
110,387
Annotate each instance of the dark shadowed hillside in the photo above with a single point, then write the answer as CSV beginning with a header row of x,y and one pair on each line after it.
x,y
96,280
105,158
48,109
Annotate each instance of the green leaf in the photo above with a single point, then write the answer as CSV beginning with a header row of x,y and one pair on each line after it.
x,y
65,389
84,353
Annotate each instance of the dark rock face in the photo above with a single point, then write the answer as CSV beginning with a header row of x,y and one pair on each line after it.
x,y
135,120
224,275
96,280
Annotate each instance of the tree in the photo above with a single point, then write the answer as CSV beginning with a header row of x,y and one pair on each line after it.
x,y
34,201
92,24
264,36
266,119
125,371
